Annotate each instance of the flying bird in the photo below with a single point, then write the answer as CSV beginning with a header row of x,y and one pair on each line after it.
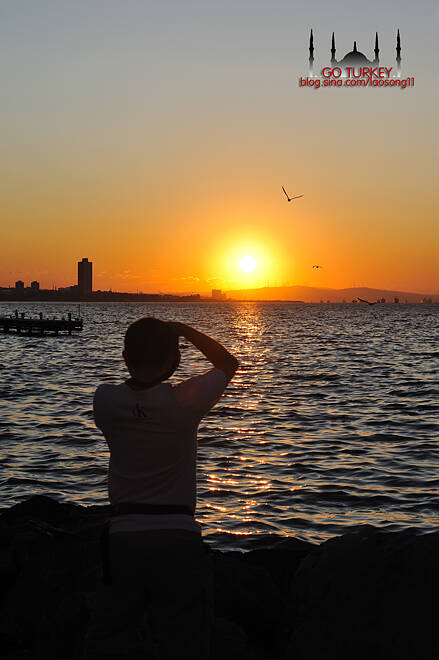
x,y
366,301
317,266
288,197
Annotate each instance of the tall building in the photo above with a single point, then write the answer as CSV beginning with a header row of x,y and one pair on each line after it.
x,y
217,294
85,277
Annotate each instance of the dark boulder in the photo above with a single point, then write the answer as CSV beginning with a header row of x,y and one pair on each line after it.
x,y
229,641
370,594
247,596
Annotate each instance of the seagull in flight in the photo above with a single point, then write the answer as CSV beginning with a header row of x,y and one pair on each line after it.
x,y
366,301
288,197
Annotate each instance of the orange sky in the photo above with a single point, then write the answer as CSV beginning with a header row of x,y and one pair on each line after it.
x,y
163,161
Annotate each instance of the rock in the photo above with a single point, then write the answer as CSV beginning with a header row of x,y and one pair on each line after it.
x,y
280,563
229,641
364,595
289,554
247,596
44,508
8,571
369,594
48,566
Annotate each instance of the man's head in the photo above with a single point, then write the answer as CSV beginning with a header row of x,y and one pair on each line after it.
x,y
151,350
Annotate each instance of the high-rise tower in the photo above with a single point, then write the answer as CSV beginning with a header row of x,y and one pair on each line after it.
x,y
85,277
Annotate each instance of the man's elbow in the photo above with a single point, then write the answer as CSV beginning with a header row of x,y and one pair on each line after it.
x,y
229,367
235,363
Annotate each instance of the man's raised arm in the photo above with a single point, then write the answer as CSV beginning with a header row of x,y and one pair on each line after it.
x,y
211,349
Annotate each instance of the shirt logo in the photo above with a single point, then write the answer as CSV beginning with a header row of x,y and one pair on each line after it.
x,y
141,412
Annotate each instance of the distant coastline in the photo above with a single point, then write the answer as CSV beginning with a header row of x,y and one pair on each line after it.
x,y
310,294
42,295
291,294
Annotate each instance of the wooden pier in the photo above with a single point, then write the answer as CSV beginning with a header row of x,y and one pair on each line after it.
x,y
40,325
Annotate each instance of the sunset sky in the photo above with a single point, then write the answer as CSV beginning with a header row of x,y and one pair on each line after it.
x,y
154,138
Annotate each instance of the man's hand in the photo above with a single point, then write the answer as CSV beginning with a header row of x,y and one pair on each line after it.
x,y
211,349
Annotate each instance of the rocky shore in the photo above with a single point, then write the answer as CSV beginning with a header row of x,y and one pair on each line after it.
x,y
365,595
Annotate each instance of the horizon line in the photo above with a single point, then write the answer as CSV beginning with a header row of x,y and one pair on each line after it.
x,y
208,292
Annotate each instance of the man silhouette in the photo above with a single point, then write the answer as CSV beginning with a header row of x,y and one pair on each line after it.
x,y
154,559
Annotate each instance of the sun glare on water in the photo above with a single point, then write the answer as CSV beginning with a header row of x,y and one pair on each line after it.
x,y
247,264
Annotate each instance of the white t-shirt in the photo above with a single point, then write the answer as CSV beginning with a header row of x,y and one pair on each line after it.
x,y
152,437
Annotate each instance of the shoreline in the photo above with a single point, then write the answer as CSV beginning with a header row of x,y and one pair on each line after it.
x,y
366,594
210,301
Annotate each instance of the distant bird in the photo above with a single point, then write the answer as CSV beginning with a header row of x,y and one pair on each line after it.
x,y
317,266
366,301
290,199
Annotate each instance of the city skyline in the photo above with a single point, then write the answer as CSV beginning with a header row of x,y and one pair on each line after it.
x,y
83,290
84,287
84,282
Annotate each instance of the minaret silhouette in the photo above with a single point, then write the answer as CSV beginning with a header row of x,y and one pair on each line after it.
x,y
377,50
333,60
398,55
355,46
311,55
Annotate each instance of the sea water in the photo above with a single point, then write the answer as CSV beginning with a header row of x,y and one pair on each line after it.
x,y
331,421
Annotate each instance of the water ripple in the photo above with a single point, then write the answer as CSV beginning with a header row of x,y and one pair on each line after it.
x,y
330,423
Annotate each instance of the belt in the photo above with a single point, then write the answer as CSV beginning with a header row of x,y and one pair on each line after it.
x,y
131,507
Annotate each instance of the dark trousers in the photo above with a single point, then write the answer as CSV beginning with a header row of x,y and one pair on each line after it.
x,y
159,602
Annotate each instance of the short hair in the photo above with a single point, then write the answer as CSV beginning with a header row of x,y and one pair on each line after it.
x,y
149,342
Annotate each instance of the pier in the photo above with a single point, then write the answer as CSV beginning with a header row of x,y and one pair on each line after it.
x,y
39,326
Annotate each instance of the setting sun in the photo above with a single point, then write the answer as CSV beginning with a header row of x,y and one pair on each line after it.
x,y
247,259
248,264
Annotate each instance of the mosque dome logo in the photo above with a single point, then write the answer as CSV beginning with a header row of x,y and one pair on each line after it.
x,y
355,59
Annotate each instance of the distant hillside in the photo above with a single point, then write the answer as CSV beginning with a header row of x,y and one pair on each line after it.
x,y
314,294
